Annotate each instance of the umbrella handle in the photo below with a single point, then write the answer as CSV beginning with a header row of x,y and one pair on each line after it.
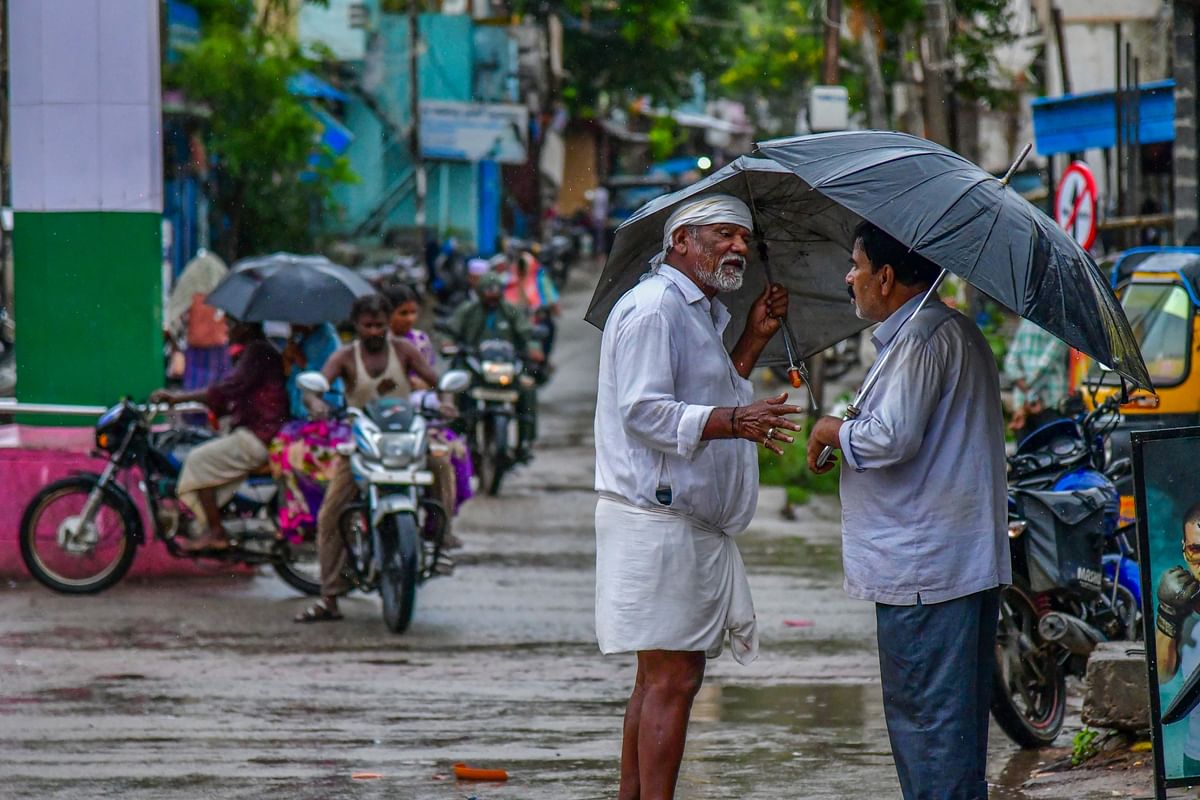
x,y
823,458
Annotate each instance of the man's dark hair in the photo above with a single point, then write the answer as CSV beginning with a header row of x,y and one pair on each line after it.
x,y
371,304
881,249
400,293
1193,513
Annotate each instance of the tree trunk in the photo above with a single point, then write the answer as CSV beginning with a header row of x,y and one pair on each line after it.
x,y
935,63
910,115
877,116
833,32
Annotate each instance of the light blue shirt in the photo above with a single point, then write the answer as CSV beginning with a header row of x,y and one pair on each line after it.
x,y
663,369
924,495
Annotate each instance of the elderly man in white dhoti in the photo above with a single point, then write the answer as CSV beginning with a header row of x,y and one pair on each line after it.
x,y
677,472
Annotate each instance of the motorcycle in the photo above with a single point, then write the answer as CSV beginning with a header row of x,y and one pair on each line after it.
x,y
394,534
488,407
79,535
1076,580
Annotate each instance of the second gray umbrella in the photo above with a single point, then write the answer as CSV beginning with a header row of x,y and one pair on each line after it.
x,y
808,242
283,287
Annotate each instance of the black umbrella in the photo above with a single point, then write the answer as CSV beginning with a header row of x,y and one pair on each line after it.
x,y
282,287
967,221
806,235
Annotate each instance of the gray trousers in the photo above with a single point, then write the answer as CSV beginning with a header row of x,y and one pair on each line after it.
x,y
936,662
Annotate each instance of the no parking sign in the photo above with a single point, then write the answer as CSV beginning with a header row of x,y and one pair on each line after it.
x,y
1075,204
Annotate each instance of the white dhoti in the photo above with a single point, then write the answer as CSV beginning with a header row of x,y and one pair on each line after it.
x,y
665,581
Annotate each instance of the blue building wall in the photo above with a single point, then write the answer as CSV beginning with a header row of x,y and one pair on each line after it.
x,y
445,72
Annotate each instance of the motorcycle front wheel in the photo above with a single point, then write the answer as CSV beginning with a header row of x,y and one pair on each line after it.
x,y
1029,687
68,555
298,566
399,570
489,457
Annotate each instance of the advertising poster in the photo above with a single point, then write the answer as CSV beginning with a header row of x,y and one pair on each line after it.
x,y
1168,511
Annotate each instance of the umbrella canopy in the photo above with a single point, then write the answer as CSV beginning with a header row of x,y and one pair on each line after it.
x,y
966,221
200,276
808,240
305,290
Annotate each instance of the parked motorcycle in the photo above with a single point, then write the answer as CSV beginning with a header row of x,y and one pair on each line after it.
x,y
395,533
79,535
488,407
1076,580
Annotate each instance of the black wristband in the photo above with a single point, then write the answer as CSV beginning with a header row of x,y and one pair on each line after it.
x,y
1167,623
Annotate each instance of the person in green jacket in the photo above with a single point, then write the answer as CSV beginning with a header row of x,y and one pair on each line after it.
x,y
488,316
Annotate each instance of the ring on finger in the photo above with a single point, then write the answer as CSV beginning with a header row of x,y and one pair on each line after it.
x,y
770,433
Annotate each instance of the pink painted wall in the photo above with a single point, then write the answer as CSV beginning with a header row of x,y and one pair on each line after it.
x,y
30,458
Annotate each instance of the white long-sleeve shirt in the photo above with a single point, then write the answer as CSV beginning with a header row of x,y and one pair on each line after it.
x,y
663,369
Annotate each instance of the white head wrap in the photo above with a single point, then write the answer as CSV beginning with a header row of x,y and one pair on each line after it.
x,y
707,210
478,266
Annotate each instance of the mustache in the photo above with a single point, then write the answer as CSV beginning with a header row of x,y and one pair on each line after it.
x,y
734,260
374,343
850,291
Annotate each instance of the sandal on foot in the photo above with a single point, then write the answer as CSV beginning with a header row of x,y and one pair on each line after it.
x,y
318,612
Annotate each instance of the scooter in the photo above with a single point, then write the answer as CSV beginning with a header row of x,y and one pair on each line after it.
x,y
1076,580
395,533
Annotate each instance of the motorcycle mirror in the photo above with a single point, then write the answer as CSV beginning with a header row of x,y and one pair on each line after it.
x,y
312,381
454,381
345,448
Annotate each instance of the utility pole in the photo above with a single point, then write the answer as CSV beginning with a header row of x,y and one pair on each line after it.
x,y
833,30
414,134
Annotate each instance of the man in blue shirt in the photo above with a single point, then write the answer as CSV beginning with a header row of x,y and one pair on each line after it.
x,y
924,532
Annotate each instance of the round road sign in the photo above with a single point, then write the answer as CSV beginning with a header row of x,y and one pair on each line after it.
x,y
1075,204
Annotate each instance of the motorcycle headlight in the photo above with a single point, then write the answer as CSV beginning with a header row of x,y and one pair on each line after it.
x,y
500,372
398,449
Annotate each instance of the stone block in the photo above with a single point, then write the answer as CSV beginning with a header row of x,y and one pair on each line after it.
x,y
1116,693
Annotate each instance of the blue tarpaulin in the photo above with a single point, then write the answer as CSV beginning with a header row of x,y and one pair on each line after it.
x,y
305,84
1077,122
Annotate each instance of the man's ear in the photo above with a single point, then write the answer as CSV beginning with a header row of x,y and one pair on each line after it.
x,y
679,240
887,279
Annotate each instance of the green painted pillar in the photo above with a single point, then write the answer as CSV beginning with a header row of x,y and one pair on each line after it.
x,y
85,109
89,300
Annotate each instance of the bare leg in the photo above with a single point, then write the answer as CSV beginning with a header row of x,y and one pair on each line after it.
x,y
631,786
212,514
670,681
215,535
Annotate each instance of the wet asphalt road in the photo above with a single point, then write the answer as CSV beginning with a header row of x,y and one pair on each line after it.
x,y
206,689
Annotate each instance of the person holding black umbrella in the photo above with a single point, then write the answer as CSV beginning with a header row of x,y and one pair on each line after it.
x,y
923,517
676,469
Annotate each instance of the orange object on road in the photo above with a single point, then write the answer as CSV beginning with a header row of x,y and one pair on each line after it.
x,y
366,776
465,773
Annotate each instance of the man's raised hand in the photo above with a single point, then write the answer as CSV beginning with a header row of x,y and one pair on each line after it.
x,y
764,422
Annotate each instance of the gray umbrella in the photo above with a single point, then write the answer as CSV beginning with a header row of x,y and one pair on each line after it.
x,y
966,221
282,287
807,238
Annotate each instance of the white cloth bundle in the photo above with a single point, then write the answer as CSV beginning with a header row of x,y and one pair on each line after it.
x,y
665,581
708,210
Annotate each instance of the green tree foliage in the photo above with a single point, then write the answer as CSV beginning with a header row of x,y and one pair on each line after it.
x,y
778,51
620,50
266,194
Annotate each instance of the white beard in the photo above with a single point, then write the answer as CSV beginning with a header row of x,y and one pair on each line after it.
x,y
726,276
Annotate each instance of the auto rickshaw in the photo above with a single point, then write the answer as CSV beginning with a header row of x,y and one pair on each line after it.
x,y
1159,288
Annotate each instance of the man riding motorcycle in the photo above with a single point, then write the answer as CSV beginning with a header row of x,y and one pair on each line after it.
x,y
253,395
488,316
374,365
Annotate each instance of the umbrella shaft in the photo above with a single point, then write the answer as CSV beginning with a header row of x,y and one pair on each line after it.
x,y
877,370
